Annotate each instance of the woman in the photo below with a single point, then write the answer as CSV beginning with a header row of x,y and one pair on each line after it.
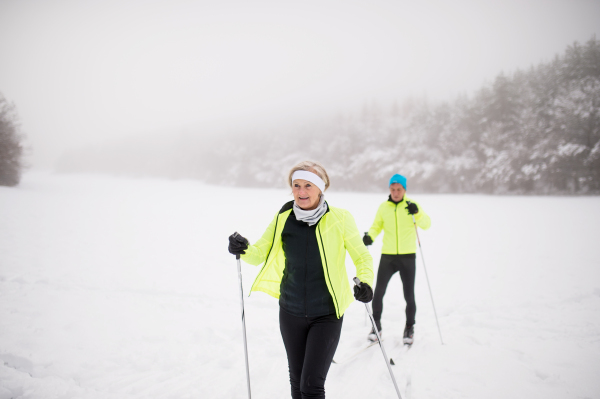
x,y
304,251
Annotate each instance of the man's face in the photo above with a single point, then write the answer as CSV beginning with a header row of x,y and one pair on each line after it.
x,y
397,192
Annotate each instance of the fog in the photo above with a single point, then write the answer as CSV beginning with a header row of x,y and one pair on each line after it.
x,y
82,73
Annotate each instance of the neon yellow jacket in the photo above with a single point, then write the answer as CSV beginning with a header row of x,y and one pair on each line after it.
x,y
336,233
399,236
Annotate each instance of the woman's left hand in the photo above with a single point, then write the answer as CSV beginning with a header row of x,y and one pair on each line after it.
x,y
363,292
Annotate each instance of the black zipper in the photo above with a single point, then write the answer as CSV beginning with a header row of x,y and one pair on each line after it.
x,y
396,218
306,273
327,268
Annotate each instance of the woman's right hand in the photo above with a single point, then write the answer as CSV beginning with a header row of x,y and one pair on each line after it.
x,y
237,244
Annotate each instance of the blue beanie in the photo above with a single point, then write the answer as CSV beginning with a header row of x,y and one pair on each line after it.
x,y
398,179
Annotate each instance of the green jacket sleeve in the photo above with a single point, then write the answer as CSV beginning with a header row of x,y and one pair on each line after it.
x,y
377,225
257,253
358,251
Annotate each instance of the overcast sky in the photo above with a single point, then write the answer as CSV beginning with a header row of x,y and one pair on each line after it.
x,y
83,71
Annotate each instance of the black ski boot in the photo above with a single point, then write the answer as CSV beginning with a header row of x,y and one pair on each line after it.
x,y
409,331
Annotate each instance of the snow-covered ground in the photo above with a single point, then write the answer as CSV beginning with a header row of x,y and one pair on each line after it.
x,y
123,288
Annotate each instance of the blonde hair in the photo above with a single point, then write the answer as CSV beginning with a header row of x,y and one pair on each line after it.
x,y
310,166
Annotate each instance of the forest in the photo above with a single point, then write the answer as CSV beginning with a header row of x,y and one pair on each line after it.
x,y
533,131
11,147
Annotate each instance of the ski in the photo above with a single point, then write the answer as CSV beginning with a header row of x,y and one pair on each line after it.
x,y
405,349
353,355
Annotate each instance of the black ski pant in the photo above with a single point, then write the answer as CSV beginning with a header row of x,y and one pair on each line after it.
x,y
310,343
390,264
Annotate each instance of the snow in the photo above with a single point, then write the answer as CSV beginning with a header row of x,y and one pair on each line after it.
x,y
123,288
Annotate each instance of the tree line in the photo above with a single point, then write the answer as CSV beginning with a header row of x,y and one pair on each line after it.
x,y
11,148
529,132
533,131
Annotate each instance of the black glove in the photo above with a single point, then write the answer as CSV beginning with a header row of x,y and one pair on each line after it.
x,y
237,244
412,208
367,239
363,292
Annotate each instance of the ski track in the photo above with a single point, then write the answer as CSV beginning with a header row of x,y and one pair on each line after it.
x,y
123,288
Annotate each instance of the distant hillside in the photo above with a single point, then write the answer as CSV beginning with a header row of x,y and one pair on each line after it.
x,y
528,132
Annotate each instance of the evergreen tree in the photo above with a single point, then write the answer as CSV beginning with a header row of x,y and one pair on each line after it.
x,y
11,149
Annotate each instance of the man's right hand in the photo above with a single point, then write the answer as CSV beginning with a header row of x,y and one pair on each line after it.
x,y
367,240
237,244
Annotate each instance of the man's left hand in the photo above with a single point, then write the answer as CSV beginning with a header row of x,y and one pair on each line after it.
x,y
412,208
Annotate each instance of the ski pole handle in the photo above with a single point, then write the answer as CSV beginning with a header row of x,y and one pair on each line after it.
x,y
357,281
235,235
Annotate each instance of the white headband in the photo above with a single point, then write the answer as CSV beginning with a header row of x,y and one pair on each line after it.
x,y
311,177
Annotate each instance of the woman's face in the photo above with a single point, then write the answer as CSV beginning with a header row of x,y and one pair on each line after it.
x,y
306,194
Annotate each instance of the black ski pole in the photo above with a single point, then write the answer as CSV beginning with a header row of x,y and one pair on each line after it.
x,y
239,268
427,277
387,359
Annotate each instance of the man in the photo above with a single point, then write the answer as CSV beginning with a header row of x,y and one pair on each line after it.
x,y
398,254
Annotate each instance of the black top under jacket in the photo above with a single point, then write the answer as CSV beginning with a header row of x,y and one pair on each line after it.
x,y
303,290
391,200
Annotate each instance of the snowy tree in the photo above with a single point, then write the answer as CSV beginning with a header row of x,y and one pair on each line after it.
x,y
11,149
